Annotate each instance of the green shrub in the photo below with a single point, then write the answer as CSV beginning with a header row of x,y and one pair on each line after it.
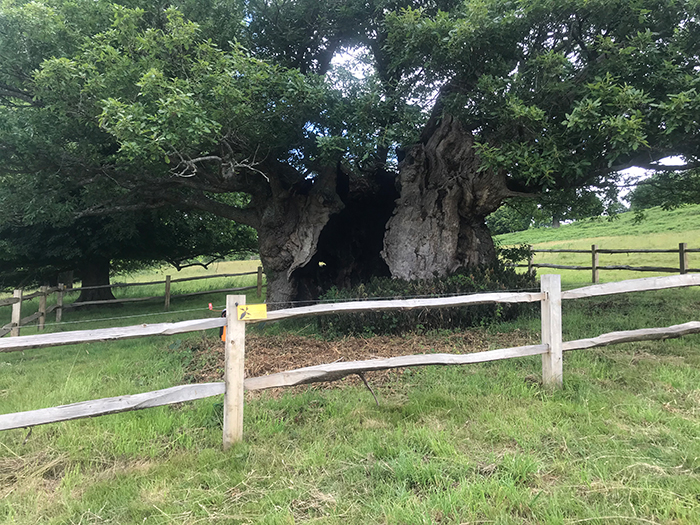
x,y
497,277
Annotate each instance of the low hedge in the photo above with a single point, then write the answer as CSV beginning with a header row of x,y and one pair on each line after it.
x,y
498,277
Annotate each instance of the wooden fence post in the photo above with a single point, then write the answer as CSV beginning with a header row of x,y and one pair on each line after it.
x,y
260,276
552,361
42,307
234,372
594,263
683,255
167,292
59,302
530,256
16,313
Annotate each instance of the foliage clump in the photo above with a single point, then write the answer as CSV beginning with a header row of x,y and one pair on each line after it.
x,y
498,277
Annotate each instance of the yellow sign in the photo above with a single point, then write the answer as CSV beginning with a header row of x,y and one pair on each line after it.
x,y
252,312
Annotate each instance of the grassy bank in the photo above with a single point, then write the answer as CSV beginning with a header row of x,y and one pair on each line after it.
x,y
478,444
660,230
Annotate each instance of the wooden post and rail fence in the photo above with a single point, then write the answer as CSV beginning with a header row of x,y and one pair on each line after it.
x,y
595,267
17,299
235,384
13,328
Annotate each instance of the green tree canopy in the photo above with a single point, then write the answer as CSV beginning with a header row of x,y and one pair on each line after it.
x,y
562,94
108,108
94,247
668,189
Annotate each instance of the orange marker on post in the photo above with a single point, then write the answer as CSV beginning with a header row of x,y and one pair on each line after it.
x,y
222,332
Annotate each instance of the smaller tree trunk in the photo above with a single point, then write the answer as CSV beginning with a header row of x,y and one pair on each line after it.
x,y
95,272
66,278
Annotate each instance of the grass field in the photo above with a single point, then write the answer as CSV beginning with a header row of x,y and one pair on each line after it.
x,y
660,230
151,311
620,443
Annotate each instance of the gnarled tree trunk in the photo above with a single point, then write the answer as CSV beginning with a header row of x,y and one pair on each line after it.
x,y
438,224
329,235
340,231
290,225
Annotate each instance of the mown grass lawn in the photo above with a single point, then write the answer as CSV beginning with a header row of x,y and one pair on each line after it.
x,y
620,443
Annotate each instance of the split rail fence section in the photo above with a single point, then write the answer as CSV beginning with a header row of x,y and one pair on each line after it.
x,y
13,328
551,349
595,267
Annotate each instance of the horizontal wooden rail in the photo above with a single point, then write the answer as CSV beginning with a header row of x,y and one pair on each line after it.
x,y
610,251
555,266
23,322
114,285
30,318
335,371
631,336
602,250
312,374
319,373
13,344
53,307
666,269
404,304
633,285
40,293
182,280
64,338
110,405
150,283
33,295
159,297
9,301
561,251
112,301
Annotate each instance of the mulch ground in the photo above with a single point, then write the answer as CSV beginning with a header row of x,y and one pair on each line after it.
x,y
271,354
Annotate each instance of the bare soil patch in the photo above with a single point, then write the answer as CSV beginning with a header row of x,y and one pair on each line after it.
x,y
271,354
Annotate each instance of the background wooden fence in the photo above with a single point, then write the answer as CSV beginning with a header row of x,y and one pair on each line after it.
x,y
13,328
595,267
551,349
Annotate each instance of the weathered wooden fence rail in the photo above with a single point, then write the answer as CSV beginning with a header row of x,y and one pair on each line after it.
x,y
234,385
13,328
40,315
595,267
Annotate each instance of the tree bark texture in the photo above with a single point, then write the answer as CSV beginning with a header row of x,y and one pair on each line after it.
x,y
291,222
95,272
327,232
438,225
341,230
